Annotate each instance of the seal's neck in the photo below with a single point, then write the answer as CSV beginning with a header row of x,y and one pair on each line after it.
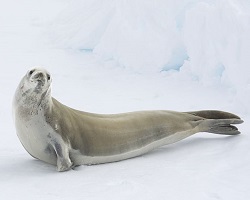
x,y
32,103
45,101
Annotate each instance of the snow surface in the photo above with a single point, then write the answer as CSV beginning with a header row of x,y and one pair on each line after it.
x,y
109,56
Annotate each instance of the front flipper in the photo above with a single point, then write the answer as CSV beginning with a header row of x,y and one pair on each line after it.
x,y
62,152
63,161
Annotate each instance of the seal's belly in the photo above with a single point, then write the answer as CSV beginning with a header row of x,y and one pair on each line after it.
x,y
79,158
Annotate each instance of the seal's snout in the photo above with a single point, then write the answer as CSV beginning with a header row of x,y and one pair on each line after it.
x,y
39,76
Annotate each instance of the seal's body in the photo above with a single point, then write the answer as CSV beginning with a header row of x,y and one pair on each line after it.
x,y
59,135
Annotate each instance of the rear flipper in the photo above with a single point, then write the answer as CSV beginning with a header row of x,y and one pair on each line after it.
x,y
221,126
217,122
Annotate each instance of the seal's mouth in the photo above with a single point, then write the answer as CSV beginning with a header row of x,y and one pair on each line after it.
x,y
40,83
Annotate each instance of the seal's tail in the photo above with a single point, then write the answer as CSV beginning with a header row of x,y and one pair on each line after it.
x,y
218,122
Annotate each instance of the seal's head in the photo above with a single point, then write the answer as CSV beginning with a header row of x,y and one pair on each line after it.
x,y
38,80
33,88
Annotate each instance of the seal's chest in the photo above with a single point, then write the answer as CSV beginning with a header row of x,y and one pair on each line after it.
x,y
33,135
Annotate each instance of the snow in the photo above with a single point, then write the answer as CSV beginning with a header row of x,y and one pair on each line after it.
x,y
109,56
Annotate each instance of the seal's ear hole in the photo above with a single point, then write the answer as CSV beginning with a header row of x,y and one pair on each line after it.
x,y
31,72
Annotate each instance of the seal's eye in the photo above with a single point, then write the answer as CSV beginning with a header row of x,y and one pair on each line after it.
x,y
31,72
48,76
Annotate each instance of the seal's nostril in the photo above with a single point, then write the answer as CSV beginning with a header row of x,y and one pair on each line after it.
x,y
39,76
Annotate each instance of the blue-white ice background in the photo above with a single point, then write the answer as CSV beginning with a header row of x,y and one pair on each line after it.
x,y
111,56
